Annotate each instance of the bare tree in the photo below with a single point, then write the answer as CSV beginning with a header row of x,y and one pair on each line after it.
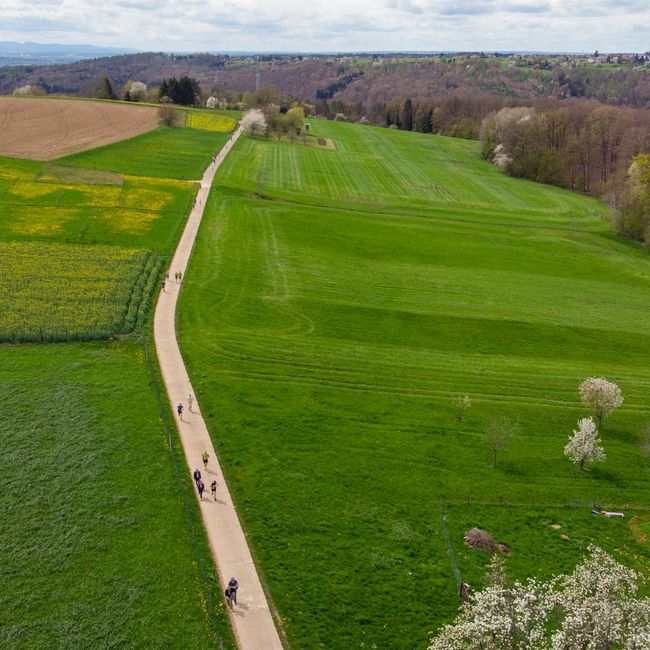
x,y
168,115
498,433
462,403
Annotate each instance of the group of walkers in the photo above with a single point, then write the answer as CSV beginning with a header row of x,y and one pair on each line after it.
x,y
233,585
178,276
200,485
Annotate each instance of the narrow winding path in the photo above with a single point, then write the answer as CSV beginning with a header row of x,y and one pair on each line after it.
x,y
251,618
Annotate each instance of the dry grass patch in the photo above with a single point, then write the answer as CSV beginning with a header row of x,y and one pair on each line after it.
x,y
43,129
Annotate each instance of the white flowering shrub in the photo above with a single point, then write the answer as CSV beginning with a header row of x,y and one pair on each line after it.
x,y
254,122
584,445
592,609
211,102
23,90
601,396
135,91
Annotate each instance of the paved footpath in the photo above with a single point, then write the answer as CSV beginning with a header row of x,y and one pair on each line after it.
x,y
251,618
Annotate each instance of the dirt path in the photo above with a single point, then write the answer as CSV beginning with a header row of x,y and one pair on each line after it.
x,y
251,618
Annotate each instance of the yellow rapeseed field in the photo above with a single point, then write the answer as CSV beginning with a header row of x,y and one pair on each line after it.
x,y
210,122
72,292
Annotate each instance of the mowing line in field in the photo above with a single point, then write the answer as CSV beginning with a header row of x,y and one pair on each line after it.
x,y
251,619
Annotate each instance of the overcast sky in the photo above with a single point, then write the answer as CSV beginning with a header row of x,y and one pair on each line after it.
x,y
333,25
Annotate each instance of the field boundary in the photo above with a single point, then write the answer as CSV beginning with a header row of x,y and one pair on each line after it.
x,y
251,619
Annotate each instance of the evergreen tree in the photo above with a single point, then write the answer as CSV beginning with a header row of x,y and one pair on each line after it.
x,y
407,116
104,89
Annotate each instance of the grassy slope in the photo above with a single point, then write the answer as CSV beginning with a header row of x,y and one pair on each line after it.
x,y
165,153
327,326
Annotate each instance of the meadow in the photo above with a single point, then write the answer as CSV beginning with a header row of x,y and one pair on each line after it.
x,y
97,535
181,153
102,541
337,302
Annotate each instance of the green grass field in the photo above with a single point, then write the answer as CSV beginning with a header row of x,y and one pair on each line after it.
x,y
337,302
96,543
181,153
102,542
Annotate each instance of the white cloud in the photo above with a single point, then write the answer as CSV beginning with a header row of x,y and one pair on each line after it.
x,y
192,25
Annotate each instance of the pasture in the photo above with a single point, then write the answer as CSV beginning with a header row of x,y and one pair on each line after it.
x,y
337,302
43,128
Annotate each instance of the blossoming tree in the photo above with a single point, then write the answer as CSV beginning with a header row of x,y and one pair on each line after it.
x,y
594,608
601,396
584,445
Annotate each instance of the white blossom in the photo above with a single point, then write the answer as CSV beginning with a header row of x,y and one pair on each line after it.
x,y
254,122
595,608
136,91
23,90
601,396
584,445
211,102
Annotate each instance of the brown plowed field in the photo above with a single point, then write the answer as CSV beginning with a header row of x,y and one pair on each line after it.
x,y
42,129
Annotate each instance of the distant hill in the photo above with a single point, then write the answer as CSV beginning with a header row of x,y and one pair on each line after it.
x,y
367,80
14,53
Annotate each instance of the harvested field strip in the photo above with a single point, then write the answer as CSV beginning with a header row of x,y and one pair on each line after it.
x,y
43,129
56,292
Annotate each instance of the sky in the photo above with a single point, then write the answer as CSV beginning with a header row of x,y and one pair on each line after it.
x,y
333,25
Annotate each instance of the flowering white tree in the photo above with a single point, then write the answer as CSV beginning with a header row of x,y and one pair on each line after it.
x,y
584,444
254,122
601,396
211,102
23,90
136,91
500,616
600,608
595,608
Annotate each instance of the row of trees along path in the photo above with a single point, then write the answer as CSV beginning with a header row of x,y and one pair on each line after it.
x,y
251,618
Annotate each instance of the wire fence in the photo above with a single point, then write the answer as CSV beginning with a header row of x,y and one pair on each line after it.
x,y
450,550
535,501
192,524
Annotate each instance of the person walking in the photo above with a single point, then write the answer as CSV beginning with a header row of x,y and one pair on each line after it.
x,y
233,585
201,488
213,488
190,401
204,456
163,285
228,597
179,410
180,276
196,475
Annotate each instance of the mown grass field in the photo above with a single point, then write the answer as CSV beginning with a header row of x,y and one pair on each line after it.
x,y
336,303
102,542
181,153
